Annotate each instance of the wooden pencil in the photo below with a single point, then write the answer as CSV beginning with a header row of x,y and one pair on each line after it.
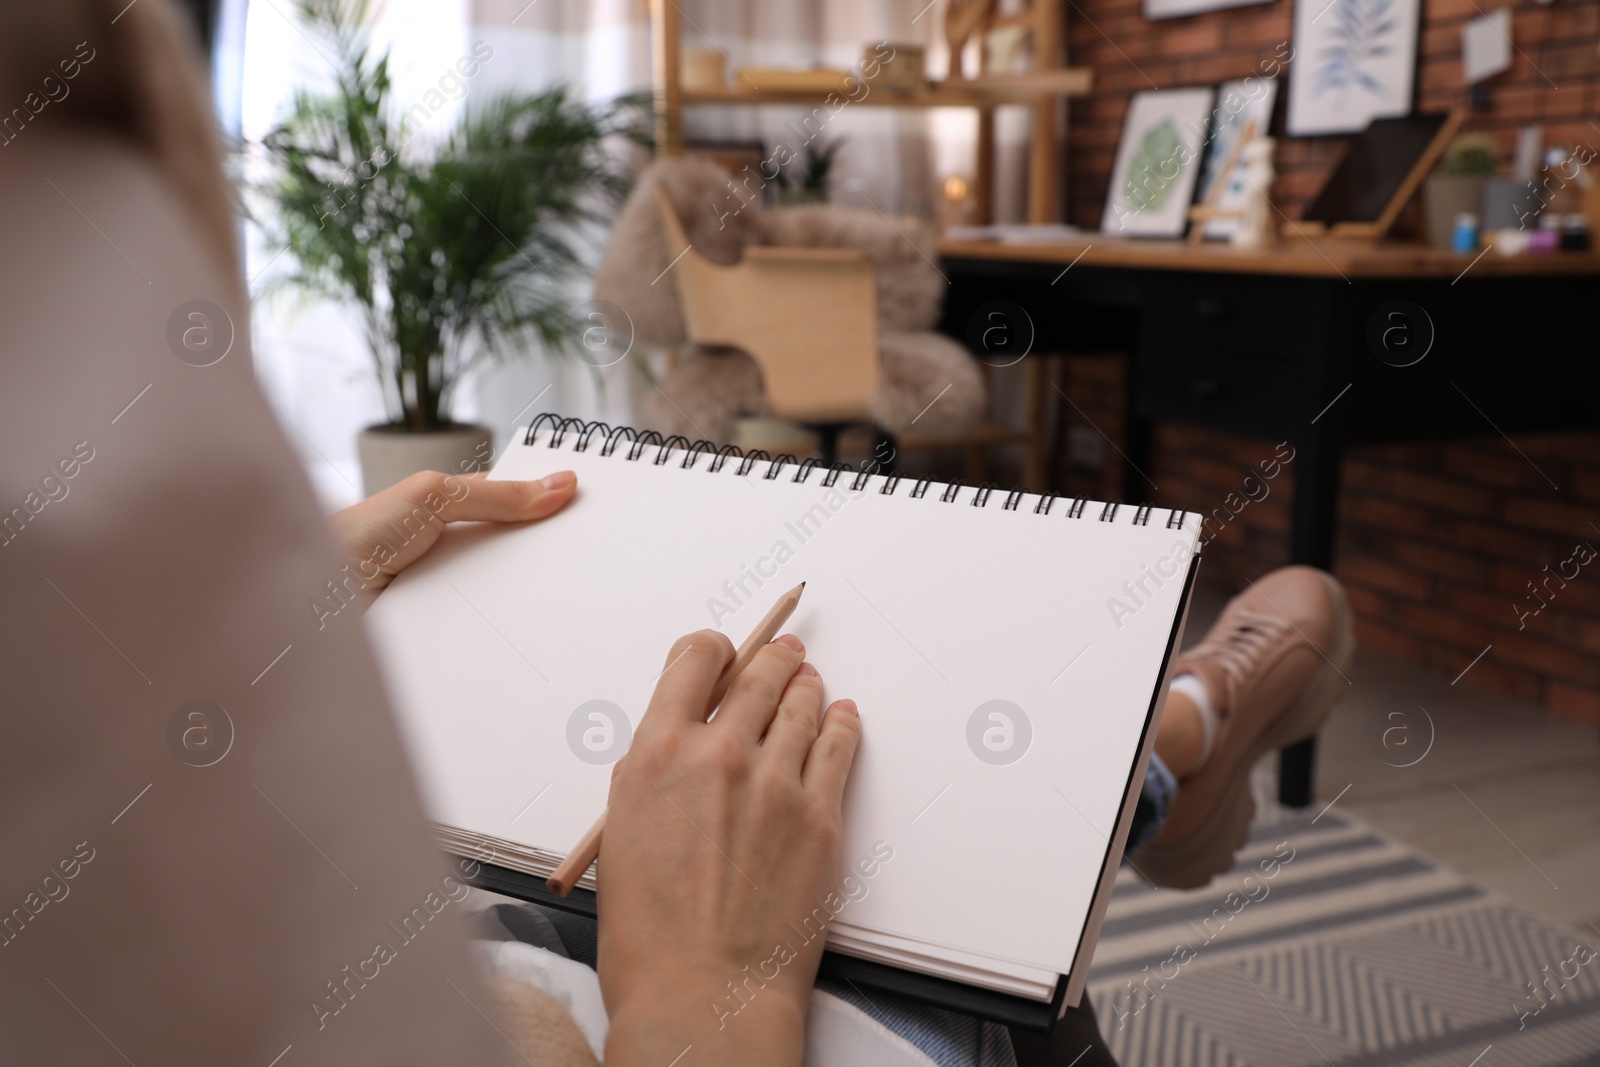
x,y
588,848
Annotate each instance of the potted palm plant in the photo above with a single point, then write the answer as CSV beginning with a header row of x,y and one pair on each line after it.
x,y
805,180
454,254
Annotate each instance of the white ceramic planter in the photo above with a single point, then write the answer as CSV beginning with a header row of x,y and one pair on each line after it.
x,y
389,455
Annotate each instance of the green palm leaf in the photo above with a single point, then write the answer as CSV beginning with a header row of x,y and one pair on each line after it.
x,y
452,259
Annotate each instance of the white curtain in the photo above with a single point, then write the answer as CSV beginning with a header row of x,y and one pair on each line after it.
x,y
311,359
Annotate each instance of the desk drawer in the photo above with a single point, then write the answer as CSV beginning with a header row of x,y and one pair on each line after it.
x,y
1229,391
1257,318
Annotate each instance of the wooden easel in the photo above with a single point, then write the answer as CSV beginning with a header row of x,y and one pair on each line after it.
x,y
1377,230
1202,213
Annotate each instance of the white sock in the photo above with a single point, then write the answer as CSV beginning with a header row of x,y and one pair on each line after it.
x,y
1191,686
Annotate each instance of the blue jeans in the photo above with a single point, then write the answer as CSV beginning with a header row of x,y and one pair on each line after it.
x,y
947,1038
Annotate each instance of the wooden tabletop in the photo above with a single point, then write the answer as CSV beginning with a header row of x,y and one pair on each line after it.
x,y
1322,257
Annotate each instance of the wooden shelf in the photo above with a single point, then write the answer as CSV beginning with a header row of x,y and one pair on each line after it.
x,y
1041,90
975,92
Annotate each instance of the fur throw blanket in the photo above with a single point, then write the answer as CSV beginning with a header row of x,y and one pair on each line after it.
x,y
709,388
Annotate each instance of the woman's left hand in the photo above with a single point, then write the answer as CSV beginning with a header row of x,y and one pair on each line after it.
x,y
389,531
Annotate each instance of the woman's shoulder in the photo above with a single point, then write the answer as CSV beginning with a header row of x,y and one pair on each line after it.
x,y
83,193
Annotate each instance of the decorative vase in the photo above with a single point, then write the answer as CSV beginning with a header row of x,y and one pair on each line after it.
x,y
392,453
1444,196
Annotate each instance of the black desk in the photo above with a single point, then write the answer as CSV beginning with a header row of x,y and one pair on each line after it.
x,y
1275,345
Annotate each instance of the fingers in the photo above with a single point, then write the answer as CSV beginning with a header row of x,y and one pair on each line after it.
x,y
477,499
753,698
794,728
828,764
429,500
693,666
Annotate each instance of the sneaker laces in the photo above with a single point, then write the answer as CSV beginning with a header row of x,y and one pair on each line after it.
x,y
1238,653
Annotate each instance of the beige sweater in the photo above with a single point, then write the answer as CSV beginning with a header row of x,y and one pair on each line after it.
x,y
161,549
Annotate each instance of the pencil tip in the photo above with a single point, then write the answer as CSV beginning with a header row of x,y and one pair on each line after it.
x,y
802,585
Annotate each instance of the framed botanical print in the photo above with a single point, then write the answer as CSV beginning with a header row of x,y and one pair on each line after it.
x,y
1158,161
1354,61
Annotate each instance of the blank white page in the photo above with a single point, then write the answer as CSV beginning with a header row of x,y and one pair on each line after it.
x,y
921,610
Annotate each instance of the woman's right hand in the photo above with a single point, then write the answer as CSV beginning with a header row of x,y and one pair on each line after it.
x,y
721,838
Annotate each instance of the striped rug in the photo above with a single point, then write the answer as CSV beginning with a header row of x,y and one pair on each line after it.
x,y
1331,943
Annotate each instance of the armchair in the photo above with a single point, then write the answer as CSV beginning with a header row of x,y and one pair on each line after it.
x,y
808,317
817,316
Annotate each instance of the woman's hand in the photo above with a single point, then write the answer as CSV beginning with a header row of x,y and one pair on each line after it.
x,y
389,531
721,842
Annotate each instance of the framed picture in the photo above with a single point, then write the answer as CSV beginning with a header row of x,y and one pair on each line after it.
x,y
1171,9
1239,103
1354,61
1158,161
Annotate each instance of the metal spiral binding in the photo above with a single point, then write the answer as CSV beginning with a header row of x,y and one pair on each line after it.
x,y
696,450
833,474
614,438
639,441
646,439
588,432
811,463
667,446
559,429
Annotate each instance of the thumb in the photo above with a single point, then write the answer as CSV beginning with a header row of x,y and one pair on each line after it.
x,y
506,501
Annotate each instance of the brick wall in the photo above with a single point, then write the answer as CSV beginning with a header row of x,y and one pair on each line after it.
x,y
1436,544
1554,80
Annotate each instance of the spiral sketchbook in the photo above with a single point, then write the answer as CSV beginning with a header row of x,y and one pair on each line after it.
x,y
1008,652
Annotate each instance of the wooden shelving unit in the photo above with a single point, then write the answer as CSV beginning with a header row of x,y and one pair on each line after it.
x,y
981,93
1041,90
